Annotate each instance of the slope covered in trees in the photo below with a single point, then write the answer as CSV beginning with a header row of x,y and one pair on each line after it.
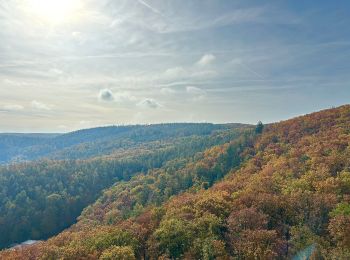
x,y
285,190
11,145
40,199
93,142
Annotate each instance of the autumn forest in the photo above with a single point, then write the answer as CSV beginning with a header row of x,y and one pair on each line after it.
x,y
181,191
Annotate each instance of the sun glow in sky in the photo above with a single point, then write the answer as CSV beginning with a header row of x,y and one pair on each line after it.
x,y
54,11
71,64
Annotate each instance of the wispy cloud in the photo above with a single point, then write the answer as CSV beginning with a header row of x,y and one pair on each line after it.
x,y
150,7
12,107
196,93
175,73
149,103
167,91
40,106
206,59
247,68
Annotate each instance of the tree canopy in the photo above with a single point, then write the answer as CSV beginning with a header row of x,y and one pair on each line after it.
x,y
270,195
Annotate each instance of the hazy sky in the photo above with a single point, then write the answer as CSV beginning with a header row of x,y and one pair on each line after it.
x,y
69,64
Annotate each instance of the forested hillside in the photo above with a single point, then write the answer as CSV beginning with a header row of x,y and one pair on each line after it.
x,y
12,145
94,142
284,191
39,199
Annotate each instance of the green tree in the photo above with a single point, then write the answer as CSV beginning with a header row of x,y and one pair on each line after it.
x,y
118,253
259,128
173,237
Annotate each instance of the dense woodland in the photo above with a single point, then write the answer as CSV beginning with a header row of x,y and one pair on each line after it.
x,y
275,192
89,143
40,199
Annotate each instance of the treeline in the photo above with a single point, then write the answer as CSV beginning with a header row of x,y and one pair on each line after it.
x,y
287,193
39,199
94,142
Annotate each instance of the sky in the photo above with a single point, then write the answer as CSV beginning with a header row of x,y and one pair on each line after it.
x,y
72,64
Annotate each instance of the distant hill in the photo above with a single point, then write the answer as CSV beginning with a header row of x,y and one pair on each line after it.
x,y
96,141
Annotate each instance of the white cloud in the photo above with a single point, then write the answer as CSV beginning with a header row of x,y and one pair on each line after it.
x,y
194,90
122,97
40,106
13,107
56,71
204,74
200,71
106,95
174,73
196,93
167,91
206,59
149,103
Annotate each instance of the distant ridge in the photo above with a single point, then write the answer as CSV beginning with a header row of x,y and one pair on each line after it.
x,y
15,147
